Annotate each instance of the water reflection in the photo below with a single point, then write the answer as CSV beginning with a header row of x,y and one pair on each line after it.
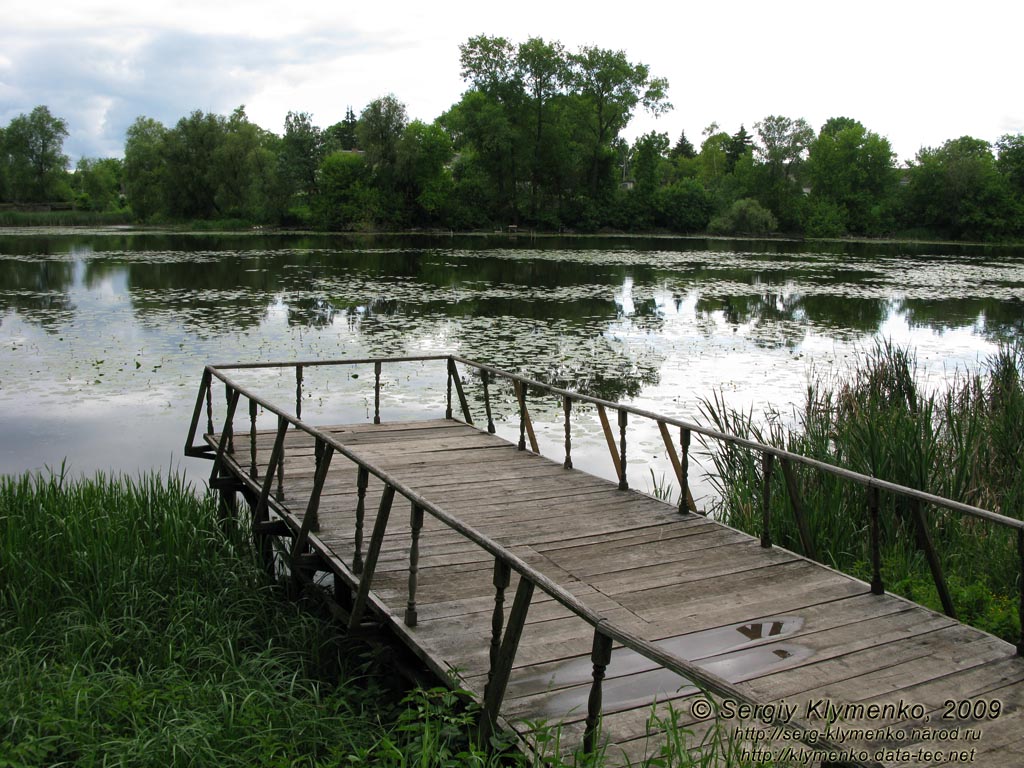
x,y
101,317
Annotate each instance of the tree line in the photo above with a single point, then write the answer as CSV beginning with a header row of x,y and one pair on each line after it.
x,y
535,141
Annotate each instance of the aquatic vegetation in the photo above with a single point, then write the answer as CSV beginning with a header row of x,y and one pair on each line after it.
x,y
960,441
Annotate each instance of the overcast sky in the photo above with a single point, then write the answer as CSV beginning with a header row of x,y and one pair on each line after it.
x,y
917,72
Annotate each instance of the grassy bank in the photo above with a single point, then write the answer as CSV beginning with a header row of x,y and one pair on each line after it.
x,y
135,632
962,442
64,218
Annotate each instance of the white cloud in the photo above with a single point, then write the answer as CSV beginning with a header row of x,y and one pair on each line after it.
x,y
917,72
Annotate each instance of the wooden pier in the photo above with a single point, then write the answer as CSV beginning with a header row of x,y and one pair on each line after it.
x,y
558,598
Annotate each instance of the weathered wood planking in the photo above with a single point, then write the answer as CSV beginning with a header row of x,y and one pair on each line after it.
x,y
784,628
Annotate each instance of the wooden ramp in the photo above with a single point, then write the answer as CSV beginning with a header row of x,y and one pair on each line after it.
x,y
783,630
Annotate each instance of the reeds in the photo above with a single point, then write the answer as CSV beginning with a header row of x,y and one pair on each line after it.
x,y
962,442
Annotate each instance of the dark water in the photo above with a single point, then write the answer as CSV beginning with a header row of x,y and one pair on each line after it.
x,y
104,334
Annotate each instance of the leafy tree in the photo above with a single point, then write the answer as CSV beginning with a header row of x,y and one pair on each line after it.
x,y
852,168
543,69
490,143
422,154
342,135
490,116
98,184
649,161
957,191
348,199
488,63
302,151
1010,161
145,166
682,206
782,150
190,150
34,153
712,158
610,88
380,129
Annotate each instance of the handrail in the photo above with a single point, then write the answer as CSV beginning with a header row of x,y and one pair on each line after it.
x,y
601,624
867,481
605,631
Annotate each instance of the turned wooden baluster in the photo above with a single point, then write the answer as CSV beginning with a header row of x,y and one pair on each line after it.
x,y
600,656
376,392
229,425
623,417
487,401
502,573
362,479
415,523
502,667
209,407
376,540
253,470
567,407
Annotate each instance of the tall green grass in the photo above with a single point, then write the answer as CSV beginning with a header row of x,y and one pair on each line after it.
x,y
64,218
135,631
962,442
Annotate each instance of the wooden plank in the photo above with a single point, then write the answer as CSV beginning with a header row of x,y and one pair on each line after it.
x,y
681,579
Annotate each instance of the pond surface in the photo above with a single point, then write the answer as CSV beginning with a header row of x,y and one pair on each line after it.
x,y
104,334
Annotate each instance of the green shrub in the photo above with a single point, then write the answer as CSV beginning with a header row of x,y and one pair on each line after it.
x,y
744,217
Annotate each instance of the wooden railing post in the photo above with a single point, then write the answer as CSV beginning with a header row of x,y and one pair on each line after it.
x,y
298,391
276,456
767,460
280,477
197,411
323,463
376,392
798,511
609,439
448,401
502,574
924,540
453,374
623,417
376,541
686,498
501,669
415,524
600,656
224,444
260,512
567,407
311,520
229,424
209,403
485,375
253,469
521,399
877,587
362,480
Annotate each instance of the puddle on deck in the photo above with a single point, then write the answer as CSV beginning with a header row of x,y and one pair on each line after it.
x,y
733,652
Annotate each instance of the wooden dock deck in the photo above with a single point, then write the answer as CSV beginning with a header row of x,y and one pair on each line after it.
x,y
620,601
